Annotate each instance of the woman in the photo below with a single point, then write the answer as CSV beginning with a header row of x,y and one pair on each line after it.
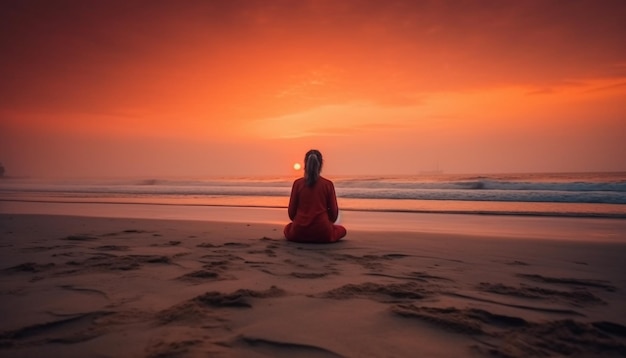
x,y
313,205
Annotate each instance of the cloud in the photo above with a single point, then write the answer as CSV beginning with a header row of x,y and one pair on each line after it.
x,y
611,87
332,120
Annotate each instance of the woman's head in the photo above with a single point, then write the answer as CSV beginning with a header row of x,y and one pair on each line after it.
x,y
312,166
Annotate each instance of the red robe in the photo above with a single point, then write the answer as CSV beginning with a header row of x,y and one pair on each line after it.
x,y
313,210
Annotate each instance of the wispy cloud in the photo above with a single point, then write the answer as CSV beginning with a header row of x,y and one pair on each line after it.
x,y
611,87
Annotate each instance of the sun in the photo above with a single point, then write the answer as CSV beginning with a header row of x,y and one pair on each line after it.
x,y
297,166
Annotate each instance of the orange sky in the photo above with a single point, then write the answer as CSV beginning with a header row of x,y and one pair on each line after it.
x,y
149,88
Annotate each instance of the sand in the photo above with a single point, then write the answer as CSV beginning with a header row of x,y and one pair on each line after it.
x,y
112,287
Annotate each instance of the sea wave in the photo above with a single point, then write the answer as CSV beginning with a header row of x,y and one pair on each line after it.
x,y
597,188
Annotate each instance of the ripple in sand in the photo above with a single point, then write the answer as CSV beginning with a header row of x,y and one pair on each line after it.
x,y
517,263
80,238
448,318
201,308
207,245
557,338
606,285
112,248
46,248
29,267
172,349
200,276
84,290
130,231
77,328
235,245
239,298
379,292
525,307
167,244
115,263
461,320
417,276
274,348
221,256
370,262
611,328
578,297
268,252
309,274
513,337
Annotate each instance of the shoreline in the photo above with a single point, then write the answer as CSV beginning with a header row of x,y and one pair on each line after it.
x,y
129,287
560,214
539,227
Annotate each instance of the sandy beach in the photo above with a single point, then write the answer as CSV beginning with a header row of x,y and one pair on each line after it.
x,y
152,152
112,287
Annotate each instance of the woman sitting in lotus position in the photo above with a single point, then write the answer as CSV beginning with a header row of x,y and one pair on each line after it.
x,y
313,205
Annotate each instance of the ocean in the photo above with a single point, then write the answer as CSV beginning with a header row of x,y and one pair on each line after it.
x,y
558,194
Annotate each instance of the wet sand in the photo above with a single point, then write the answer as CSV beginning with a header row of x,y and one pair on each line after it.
x,y
112,287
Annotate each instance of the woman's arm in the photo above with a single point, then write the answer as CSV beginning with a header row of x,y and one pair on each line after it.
x,y
293,202
333,208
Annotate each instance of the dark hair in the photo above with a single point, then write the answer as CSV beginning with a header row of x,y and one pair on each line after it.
x,y
312,166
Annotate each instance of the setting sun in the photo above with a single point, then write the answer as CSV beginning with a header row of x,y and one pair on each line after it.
x,y
297,166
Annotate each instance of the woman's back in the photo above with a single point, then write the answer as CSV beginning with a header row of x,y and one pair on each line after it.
x,y
313,205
